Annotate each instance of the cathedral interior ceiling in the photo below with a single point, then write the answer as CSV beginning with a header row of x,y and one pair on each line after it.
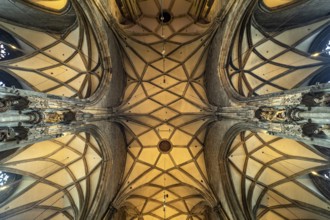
x,y
274,179
264,62
52,6
164,112
66,64
60,178
274,4
165,99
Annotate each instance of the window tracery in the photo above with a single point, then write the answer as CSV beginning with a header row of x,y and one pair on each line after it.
x,y
3,178
322,76
3,51
7,80
8,184
321,180
9,47
321,44
320,47
327,48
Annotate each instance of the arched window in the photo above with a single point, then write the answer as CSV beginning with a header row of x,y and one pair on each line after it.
x,y
321,77
321,44
323,150
8,184
321,178
321,47
7,80
9,47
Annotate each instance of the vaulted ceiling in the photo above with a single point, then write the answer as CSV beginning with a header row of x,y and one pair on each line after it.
x,y
60,178
165,99
264,62
66,64
157,56
272,179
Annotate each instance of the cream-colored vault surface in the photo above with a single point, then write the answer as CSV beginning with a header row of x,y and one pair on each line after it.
x,y
61,64
51,5
270,176
165,99
60,179
275,4
266,62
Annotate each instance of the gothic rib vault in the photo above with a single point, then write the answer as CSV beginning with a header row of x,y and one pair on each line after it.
x,y
164,109
165,99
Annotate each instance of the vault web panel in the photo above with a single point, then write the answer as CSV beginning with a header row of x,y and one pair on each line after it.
x,y
165,101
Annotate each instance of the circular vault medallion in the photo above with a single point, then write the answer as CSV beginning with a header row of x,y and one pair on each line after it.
x,y
164,146
165,17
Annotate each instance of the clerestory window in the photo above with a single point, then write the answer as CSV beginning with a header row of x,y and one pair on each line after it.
x,y
9,47
8,184
321,178
7,80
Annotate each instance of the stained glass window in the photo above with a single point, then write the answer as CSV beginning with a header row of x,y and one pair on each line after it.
x,y
8,184
3,178
320,48
326,49
322,76
7,80
9,47
3,51
321,178
321,44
